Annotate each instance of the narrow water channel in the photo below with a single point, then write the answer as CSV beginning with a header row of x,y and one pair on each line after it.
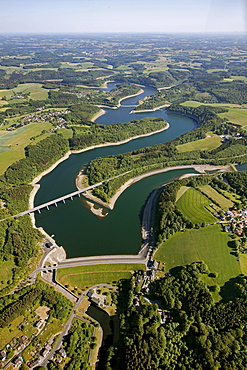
x,y
79,231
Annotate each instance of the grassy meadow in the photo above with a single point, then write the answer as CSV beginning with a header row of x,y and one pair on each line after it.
x,y
86,276
209,143
35,91
235,115
17,140
208,244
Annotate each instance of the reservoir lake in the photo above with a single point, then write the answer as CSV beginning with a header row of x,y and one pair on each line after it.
x,y
74,227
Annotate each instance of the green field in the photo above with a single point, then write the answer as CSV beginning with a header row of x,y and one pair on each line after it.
x,y
194,103
243,263
232,196
235,115
181,191
192,204
239,78
6,273
36,91
208,143
207,244
86,276
217,197
18,140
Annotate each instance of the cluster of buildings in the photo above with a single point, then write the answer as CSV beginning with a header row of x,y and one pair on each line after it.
x,y
18,359
53,117
234,221
236,135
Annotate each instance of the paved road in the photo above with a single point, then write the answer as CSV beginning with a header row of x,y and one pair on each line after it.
x,y
69,322
96,260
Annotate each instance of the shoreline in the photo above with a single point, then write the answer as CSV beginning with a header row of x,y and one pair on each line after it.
x,y
99,114
102,112
200,168
66,156
150,110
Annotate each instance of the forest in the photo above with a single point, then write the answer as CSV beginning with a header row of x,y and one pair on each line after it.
x,y
197,332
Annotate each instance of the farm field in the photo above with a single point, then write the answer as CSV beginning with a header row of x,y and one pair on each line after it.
x,y
192,204
208,143
243,263
194,103
235,115
231,196
36,91
208,244
217,197
86,276
18,140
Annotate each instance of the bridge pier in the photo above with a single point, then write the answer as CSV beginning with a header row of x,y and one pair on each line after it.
x,y
64,200
79,195
39,211
56,204
71,198
48,208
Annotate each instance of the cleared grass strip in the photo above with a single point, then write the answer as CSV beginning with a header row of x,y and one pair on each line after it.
x,y
92,278
181,191
217,197
85,276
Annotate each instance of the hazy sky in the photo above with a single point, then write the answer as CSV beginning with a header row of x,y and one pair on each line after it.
x,y
79,16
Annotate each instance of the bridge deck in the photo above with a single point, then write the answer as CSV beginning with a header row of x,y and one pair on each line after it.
x,y
67,196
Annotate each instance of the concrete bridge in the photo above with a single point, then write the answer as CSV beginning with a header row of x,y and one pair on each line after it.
x,y
63,198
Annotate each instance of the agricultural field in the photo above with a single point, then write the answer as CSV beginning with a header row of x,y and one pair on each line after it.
x,y
223,202
239,78
86,276
194,103
17,140
35,91
208,244
209,143
231,196
192,204
234,115
243,263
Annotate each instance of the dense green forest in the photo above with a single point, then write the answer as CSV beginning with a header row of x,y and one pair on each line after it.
x,y
98,134
196,334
